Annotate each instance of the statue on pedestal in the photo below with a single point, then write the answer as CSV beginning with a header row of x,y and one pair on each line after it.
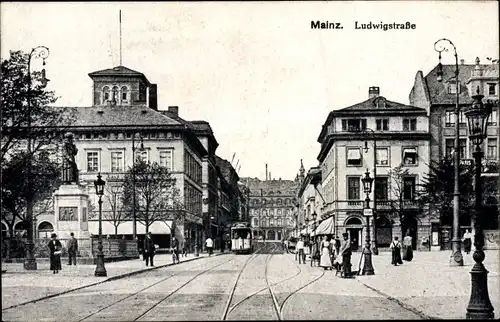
x,y
69,168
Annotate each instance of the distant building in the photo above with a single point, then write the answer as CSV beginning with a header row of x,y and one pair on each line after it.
x,y
439,99
347,152
310,202
271,207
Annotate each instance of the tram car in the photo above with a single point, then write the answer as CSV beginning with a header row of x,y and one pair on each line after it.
x,y
241,238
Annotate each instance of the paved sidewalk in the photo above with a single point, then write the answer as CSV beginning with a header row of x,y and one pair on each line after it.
x,y
429,285
20,286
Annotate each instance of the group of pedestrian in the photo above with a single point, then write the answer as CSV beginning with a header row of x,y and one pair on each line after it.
x,y
331,253
55,249
401,252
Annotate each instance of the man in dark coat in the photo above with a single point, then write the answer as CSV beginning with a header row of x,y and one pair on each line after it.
x,y
148,249
72,249
345,251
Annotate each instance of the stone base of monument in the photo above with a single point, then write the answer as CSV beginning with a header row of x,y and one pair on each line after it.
x,y
70,211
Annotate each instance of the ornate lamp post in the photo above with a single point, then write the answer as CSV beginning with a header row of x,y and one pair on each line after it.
x,y
367,186
100,270
30,260
374,246
456,257
134,216
479,304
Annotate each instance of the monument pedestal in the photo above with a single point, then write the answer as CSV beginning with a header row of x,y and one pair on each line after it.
x,y
70,207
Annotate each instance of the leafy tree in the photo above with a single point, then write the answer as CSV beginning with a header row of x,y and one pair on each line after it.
x,y
45,178
114,197
157,197
438,186
25,105
400,202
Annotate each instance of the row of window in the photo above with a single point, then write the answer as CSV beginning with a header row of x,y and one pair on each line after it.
x,y
449,118
277,202
382,124
452,88
193,199
354,188
491,148
193,167
409,156
116,94
117,158
271,212
125,135
271,222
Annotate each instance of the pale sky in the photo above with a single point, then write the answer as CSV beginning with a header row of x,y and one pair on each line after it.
x,y
255,70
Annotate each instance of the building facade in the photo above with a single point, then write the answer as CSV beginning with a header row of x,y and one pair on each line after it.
x,y
310,202
271,207
439,100
348,136
124,120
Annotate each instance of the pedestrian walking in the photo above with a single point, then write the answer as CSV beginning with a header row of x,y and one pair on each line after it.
x,y
396,252
72,249
175,250
345,251
149,249
407,248
184,249
55,248
337,245
286,246
300,251
209,243
467,239
139,246
325,260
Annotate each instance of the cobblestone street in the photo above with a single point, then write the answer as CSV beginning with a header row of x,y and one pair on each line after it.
x,y
264,286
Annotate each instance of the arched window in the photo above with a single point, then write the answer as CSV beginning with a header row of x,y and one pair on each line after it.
x,y
255,222
287,201
271,235
278,202
263,222
124,93
105,94
45,229
115,94
271,212
271,222
287,212
278,222
279,212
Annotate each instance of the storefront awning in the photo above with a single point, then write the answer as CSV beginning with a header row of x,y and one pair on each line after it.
x,y
326,227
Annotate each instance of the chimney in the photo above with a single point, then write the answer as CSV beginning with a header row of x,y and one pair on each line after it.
x,y
266,171
373,91
174,110
153,97
462,61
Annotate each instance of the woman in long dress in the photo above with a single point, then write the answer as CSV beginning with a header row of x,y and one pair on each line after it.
x,y
55,254
325,260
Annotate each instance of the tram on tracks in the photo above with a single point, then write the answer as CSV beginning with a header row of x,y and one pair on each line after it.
x,y
241,238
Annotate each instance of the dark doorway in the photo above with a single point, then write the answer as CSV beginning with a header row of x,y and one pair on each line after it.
x,y
384,231
354,236
411,227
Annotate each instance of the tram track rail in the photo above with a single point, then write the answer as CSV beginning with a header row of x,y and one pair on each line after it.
x,y
278,309
154,284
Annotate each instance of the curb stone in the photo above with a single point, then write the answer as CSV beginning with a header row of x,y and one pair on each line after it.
x,y
402,304
117,277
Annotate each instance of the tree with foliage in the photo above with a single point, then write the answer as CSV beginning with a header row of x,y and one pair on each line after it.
x,y
436,190
114,198
157,197
399,204
45,178
26,114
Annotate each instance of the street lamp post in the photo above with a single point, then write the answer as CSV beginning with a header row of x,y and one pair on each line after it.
x,y
374,246
367,185
30,260
134,215
100,270
479,304
456,256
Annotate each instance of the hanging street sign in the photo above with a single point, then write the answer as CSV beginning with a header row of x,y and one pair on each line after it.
x,y
368,212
